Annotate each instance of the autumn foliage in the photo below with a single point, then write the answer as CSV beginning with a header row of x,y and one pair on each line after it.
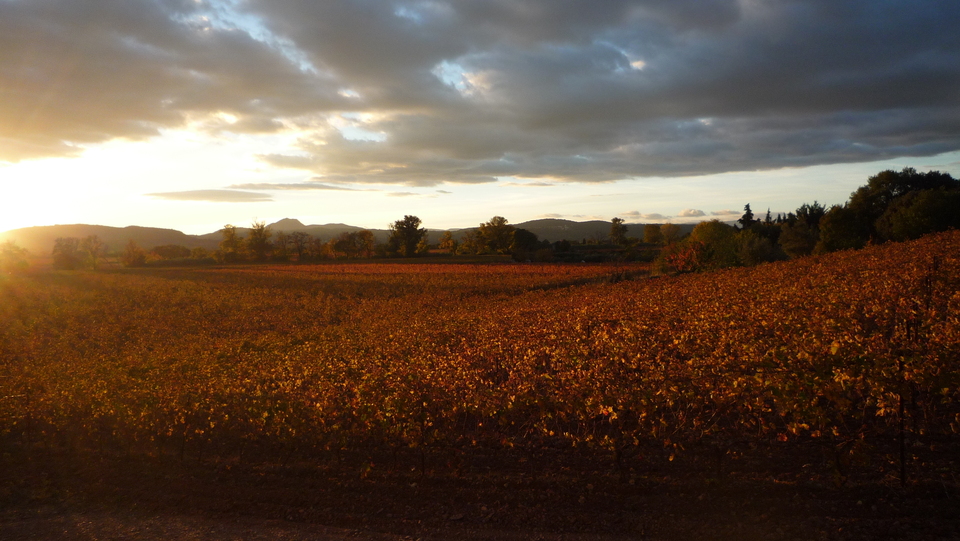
x,y
833,350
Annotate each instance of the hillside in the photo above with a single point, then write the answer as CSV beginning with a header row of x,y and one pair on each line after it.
x,y
39,240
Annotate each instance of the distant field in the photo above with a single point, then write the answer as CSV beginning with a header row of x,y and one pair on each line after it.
x,y
839,359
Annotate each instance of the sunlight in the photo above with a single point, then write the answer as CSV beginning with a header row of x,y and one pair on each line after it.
x,y
105,184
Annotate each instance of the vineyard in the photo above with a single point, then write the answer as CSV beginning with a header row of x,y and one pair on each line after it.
x,y
849,360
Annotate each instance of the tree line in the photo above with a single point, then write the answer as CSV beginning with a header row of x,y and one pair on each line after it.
x,y
407,238
892,206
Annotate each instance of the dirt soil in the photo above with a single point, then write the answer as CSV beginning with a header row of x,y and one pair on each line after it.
x,y
497,495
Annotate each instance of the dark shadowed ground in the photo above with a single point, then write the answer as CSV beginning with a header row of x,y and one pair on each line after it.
x,y
486,495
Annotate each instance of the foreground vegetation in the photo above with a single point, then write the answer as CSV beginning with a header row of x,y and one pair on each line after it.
x,y
339,357
848,360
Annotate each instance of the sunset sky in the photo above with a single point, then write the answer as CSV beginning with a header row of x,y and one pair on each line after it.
x,y
193,114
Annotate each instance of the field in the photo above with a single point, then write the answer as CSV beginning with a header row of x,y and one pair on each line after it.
x,y
818,398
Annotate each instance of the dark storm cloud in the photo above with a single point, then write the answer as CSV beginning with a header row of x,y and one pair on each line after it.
x,y
214,196
467,91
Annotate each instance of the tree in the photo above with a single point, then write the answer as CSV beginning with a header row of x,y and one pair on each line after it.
x,y
868,203
753,248
13,258
66,253
524,240
93,250
366,243
841,228
405,235
231,245
315,248
746,221
133,255
470,243
670,232
496,235
718,243
798,239
300,241
353,244
799,236
618,232
918,213
652,234
423,247
171,251
258,242
281,245
448,243
525,244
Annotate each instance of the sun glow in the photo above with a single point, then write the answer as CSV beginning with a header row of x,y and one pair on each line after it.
x,y
109,180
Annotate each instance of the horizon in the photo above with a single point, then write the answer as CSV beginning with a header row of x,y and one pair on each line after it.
x,y
195,115
273,223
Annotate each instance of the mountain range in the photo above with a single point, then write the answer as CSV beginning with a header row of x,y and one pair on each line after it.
x,y
40,239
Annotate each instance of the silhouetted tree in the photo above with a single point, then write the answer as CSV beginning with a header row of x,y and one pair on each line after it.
x,y
525,244
258,241
315,248
746,221
618,232
917,213
841,228
366,243
231,245
799,236
353,244
281,246
496,235
868,203
405,235
299,240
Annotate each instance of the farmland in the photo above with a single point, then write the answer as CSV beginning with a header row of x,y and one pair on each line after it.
x,y
837,375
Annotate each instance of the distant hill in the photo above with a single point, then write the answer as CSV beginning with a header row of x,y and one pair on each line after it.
x,y
289,225
39,240
554,230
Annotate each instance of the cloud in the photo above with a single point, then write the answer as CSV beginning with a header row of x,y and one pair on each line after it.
x,y
726,213
427,93
216,196
444,192
691,213
291,186
528,184
637,215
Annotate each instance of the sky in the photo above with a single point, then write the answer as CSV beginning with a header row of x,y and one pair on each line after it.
x,y
191,114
